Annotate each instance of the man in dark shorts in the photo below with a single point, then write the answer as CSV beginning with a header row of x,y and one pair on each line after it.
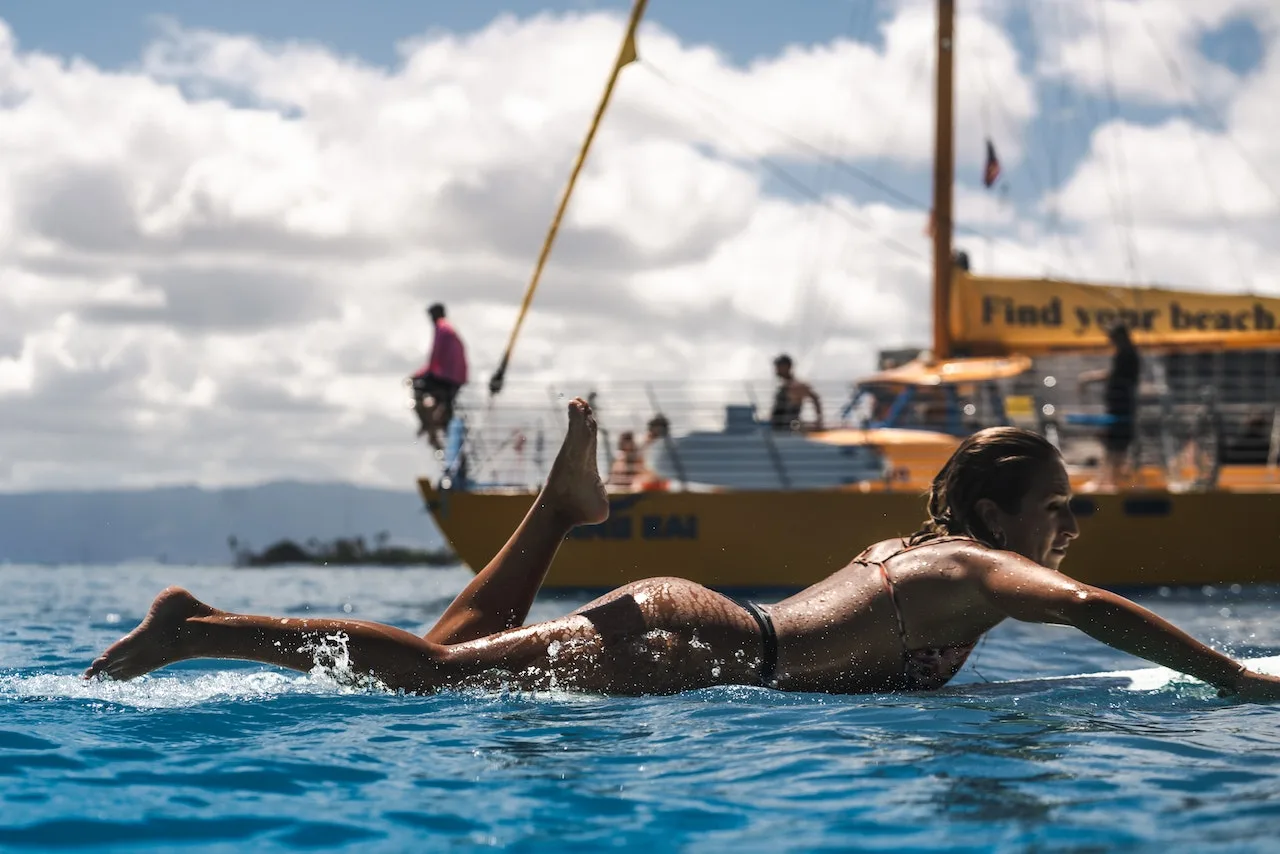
x,y
1120,397
436,384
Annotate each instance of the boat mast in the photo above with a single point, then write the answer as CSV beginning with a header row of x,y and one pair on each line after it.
x,y
626,56
943,180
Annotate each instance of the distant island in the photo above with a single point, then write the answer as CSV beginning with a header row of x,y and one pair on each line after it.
x,y
342,551
189,524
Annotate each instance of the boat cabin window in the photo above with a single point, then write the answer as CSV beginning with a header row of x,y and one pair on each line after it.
x,y
932,408
981,405
871,405
955,409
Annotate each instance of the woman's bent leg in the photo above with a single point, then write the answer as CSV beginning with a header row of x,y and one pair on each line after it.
x,y
500,595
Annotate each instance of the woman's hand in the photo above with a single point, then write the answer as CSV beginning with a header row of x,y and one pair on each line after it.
x,y
1254,688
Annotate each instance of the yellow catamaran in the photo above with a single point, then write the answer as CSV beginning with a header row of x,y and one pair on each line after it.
x,y
1175,529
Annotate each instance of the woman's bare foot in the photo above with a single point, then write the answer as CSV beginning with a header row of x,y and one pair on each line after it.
x,y
573,488
156,641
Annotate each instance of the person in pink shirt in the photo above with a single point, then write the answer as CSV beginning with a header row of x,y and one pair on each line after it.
x,y
436,384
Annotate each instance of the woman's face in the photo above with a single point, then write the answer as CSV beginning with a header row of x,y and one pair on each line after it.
x,y
1044,525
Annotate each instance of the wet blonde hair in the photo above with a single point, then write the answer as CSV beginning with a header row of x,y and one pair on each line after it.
x,y
998,463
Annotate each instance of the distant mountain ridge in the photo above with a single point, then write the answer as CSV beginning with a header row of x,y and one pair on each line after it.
x,y
190,524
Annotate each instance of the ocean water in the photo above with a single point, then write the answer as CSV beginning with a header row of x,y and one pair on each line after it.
x,y
228,756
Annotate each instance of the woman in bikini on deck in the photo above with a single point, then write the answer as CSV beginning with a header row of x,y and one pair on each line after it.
x,y
903,615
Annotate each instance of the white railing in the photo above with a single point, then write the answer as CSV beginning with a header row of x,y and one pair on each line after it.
x,y
1223,407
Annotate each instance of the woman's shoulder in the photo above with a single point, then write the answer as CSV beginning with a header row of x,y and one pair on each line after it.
x,y
887,549
881,551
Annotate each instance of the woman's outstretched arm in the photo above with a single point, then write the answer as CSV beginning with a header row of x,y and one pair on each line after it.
x,y
1027,591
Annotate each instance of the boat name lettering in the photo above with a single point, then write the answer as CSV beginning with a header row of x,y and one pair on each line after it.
x,y
1010,312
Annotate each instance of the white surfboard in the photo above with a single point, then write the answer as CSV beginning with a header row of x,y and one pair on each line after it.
x,y
1144,679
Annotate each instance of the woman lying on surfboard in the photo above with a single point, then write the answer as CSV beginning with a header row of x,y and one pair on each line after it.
x,y
902,616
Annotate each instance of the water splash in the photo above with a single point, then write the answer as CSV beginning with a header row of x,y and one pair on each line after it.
x,y
332,657
163,692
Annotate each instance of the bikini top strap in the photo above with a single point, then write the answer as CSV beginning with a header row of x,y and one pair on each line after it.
x,y
888,582
893,600
950,538
906,547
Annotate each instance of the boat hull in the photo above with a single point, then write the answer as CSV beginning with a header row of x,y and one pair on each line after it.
x,y
789,539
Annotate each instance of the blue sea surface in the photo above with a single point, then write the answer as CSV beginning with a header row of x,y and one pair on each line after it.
x,y
231,756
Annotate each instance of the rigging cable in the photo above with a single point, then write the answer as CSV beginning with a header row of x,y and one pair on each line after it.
x,y
1206,163
1055,176
890,136
1010,126
814,311
844,166
1121,206
1207,108
799,186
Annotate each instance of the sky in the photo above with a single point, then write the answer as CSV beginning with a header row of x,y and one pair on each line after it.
x,y
220,223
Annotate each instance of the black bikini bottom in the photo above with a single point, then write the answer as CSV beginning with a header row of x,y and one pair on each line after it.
x,y
768,642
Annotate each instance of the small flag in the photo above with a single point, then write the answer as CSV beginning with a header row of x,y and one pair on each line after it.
x,y
991,173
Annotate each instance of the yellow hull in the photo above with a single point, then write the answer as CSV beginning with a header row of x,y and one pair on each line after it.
x,y
794,538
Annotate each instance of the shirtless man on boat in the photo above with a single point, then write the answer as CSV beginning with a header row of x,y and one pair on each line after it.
x,y
903,615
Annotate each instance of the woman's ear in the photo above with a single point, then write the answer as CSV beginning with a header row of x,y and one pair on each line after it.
x,y
988,512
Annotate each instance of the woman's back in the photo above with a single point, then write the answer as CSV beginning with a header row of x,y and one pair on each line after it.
x,y
896,616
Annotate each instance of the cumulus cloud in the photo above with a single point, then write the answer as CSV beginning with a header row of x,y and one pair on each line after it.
x,y
1130,48
1172,171
213,264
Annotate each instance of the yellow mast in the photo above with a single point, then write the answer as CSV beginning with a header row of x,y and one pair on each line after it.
x,y
943,178
626,55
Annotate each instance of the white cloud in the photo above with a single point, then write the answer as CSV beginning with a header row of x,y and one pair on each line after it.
x,y
213,266
1147,51
1168,172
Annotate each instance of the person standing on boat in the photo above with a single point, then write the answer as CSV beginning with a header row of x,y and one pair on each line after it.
x,y
788,400
657,430
643,478
1120,397
436,384
628,462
